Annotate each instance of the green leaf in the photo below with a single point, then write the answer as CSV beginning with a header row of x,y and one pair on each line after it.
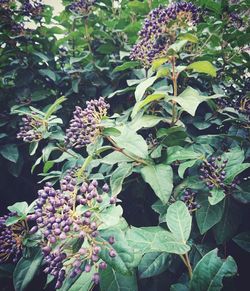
x,y
125,66
150,98
12,220
84,282
158,62
26,269
112,280
228,225
177,153
217,196
10,152
110,216
146,121
179,287
114,158
183,166
179,221
118,176
243,240
207,215
20,207
124,258
154,239
111,131
210,271
143,86
189,37
190,99
132,142
33,147
203,67
233,171
53,108
153,264
177,46
138,7
48,73
160,178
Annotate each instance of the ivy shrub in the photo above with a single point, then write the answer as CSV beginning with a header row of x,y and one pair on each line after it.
x,y
133,119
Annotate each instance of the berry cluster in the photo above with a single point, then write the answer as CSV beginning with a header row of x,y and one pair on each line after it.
x,y
67,217
32,8
5,4
213,174
31,129
17,29
188,198
82,7
159,30
235,19
85,124
11,239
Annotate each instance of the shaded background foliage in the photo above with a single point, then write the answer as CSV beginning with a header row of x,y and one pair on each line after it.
x,y
84,58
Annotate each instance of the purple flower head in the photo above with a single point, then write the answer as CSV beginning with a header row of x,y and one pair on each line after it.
x,y
11,239
32,8
159,30
85,125
61,220
30,130
82,7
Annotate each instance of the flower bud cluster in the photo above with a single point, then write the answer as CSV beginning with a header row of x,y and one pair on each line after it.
x,y
85,124
188,198
82,7
32,8
66,216
30,130
213,174
11,239
159,30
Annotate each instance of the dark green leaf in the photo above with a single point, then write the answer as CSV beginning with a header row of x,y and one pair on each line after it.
x,y
243,240
207,215
210,271
160,178
26,269
153,264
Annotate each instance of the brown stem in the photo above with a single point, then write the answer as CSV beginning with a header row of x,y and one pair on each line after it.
x,y
87,36
189,267
121,150
174,79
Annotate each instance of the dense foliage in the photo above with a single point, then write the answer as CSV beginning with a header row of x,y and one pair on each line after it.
x,y
130,123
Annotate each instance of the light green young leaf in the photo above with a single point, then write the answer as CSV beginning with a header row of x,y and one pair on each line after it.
x,y
150,98
203,67
190,99
143,86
